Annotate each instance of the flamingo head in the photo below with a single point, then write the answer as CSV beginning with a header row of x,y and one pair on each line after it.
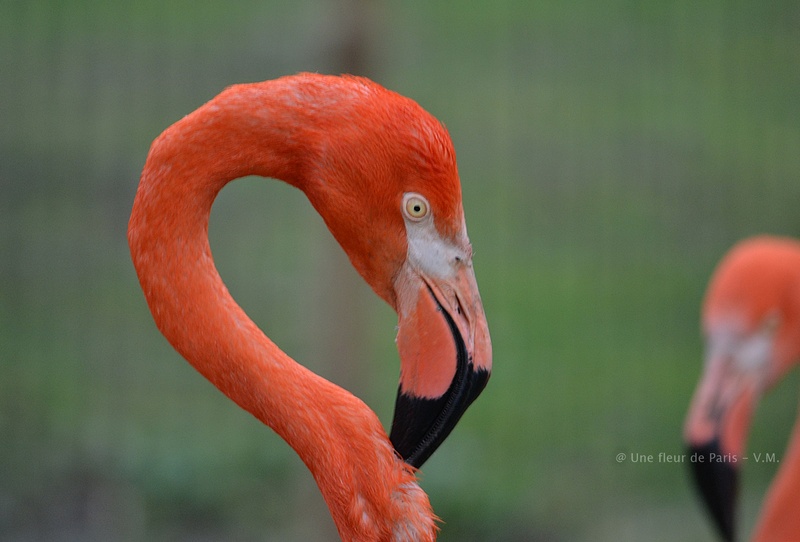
x,y
389,191
750,323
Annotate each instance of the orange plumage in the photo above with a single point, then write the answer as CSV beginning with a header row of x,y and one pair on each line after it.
x,y
356,150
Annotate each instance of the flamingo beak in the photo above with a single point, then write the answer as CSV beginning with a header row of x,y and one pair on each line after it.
x,y
718,483
445,358
715,433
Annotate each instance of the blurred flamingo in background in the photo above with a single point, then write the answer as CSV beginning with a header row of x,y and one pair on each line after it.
x,y
382,174
751,323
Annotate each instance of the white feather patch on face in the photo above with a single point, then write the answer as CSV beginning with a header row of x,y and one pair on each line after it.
x,y
428,252
750,352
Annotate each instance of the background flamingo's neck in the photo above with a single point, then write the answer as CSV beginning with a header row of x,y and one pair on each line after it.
x,y
779,518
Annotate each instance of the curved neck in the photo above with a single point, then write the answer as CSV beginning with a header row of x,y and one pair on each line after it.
x,y
779,519
168,235
249,130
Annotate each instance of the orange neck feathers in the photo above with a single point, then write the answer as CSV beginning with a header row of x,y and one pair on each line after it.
x,y
779,519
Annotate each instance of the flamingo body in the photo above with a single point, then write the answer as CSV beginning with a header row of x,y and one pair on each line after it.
x,y
751,323
382,174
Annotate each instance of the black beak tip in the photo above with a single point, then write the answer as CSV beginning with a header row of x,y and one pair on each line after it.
x,y
716,479
420,424
412,416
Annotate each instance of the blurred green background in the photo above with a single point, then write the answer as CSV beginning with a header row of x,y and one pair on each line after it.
x,y
610,153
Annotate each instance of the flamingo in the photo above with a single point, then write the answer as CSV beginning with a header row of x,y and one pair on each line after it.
x,y
381,172
751,323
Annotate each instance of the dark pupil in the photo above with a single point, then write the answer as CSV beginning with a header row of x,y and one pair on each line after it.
x,y
417,208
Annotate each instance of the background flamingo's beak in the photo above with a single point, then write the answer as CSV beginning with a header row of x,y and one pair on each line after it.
x,y
715,433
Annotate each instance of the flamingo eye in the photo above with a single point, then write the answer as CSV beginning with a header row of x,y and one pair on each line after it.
x,y
415,206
